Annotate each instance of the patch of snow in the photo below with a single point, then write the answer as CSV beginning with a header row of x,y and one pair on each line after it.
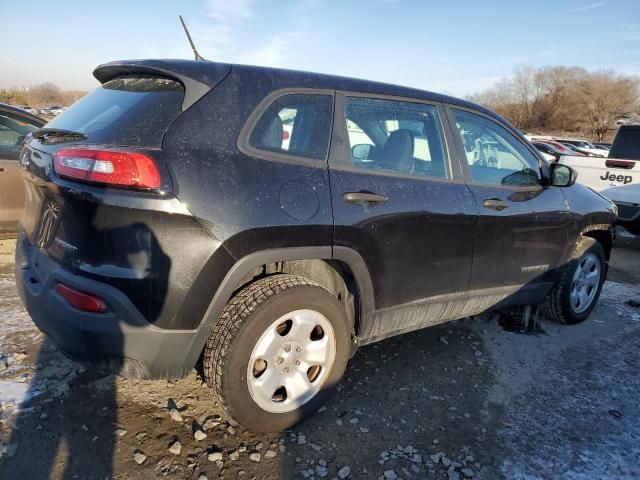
x,y
13,315
12,392
615,295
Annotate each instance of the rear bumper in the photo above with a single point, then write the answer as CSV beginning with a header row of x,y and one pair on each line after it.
x,y
120,341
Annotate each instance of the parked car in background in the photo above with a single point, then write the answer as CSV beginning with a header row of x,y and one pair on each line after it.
x,y
566,150
52,110
616,177
550,151
15,124
571,148
603,146
153,241
584,147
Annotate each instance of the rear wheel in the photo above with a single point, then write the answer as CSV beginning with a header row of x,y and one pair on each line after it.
x,y
280,346
576,294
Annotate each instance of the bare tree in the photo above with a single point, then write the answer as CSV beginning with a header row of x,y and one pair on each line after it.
x,y
562,99
605,97
45,94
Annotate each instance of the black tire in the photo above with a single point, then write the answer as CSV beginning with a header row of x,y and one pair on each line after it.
x,y
558,304
247,315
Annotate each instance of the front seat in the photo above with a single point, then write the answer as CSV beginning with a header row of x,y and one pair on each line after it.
x,y
398,152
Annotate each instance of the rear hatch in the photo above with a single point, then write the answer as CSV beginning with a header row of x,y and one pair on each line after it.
x,y
127,115
101,160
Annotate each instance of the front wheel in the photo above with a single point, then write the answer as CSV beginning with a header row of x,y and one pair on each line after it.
x,y
576,294
280,346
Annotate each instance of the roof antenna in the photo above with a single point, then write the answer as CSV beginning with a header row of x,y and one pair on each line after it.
x,y
193,47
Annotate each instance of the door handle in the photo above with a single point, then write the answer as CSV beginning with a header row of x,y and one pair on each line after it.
x,y
495,204
365,198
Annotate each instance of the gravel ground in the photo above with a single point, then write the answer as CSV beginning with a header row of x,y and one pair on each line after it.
x,y
465,399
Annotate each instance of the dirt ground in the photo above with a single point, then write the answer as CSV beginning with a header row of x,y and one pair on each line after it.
x,y
461,400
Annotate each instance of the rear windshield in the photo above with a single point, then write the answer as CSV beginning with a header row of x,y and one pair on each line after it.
x,y
627,144
130,110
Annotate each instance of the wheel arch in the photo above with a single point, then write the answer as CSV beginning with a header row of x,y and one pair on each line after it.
x,y
339,269
603,234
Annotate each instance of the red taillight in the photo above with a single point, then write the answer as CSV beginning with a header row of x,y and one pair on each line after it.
x,y
285,135
628,164
111,167
81,300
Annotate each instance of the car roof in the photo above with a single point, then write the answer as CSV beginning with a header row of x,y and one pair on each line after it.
x,y
10,108
208,73
549,143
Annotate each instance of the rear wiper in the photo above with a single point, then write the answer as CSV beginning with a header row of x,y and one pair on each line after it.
x,y
57,135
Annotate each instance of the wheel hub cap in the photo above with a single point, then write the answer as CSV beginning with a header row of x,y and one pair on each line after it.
x,y
586,281
291,361
288,356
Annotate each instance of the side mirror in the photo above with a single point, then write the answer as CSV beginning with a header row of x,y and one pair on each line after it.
x,y
361,151
562,175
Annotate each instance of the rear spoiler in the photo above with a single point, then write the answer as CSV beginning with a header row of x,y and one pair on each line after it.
x,y
196,77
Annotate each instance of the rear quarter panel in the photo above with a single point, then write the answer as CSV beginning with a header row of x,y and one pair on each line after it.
x,y
249,204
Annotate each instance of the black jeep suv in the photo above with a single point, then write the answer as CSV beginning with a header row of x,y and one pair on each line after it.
x,y
267,222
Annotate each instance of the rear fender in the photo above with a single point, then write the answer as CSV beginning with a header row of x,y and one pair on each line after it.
x,y
250,262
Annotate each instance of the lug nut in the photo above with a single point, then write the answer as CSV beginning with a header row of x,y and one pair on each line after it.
x,y
286,369
279,360
297,362
298,349
286,347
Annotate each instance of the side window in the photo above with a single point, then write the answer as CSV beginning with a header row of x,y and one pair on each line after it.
x,y
494,155
295,124
13,129
395,136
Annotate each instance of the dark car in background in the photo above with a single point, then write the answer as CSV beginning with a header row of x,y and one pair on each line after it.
x,y
170,222
15,125
563,148
549,149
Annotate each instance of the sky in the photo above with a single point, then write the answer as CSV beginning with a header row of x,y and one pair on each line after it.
x,y
455,47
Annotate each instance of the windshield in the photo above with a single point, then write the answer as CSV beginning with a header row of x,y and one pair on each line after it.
x,y
131,110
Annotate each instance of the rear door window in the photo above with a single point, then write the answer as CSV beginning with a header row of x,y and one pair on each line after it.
x,y
129,110
295,125
395,136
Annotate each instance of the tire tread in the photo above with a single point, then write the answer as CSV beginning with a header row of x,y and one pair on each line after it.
x,y
233,316
553,306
